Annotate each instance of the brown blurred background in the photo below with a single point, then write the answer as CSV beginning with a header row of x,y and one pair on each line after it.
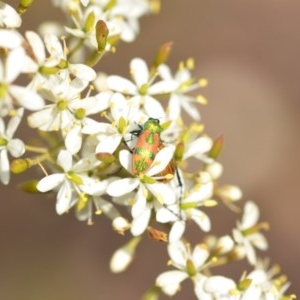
x,y
249,51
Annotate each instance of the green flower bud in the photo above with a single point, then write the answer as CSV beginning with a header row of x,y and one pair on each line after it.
x,y
20,165
24,5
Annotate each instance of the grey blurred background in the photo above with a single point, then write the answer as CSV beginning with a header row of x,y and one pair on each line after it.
x,y
249,51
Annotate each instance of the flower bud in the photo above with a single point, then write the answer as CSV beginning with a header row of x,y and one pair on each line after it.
x,y
29,186
123,256
163,54
217,147
101,35
24,5
20,165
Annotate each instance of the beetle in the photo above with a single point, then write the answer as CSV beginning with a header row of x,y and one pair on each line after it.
x,y
147,146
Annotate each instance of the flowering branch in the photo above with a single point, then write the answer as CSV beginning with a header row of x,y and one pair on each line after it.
x,y
106,141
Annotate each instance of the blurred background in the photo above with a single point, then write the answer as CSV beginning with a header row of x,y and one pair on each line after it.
x,y
249,51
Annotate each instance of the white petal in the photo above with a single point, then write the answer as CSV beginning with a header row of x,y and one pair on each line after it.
x,y
109,144
162,192
250,216
201,193
164,72
10,17
161,161
119,106
42,119
167,214
199,255
37,45
14,64
83,72
64,198
95,187
152,107
199,290
54,46
92,105
253,292
73,140
125,158
200,145
93,127
4,167
122,85
103,100
163,87
259,241
16,147
76,86
258,277
14,123
250,252
110,211
139,71
178,254
140,224
10,39
122,186
177,231
128,33
50,182
170,281
219,284
65,160
190,107
201,219
140,202
26,97
85,164
174,107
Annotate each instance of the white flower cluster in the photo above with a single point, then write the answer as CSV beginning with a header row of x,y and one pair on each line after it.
x,y
110,141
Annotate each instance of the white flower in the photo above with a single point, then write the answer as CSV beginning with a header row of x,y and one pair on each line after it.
x,y
142,89
266,284
38,63
68,113
121,19
188,264
84,207
248,232
146,185
187,208
123,116
70,183
8,16
179,98
57,58
8,144
9,92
